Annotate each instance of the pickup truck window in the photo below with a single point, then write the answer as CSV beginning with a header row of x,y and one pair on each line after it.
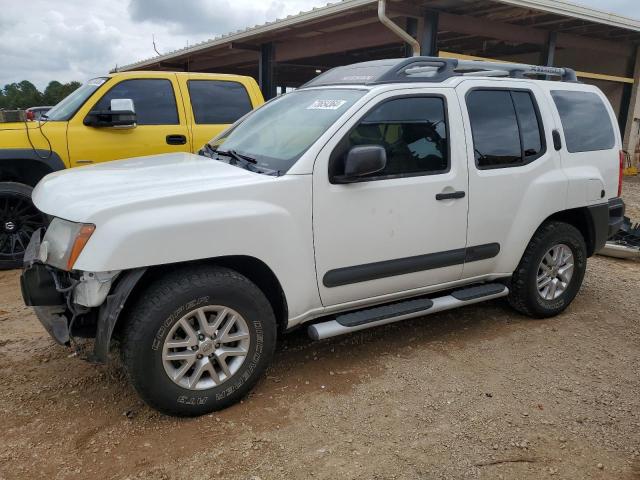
x,y
585,121
278,133
218,102
412,130
68,106
153,99
506,128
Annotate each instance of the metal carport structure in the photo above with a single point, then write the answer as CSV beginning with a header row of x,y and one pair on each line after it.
x,y
602,47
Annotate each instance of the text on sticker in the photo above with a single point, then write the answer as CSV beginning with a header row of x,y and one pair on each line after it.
x,y
326,105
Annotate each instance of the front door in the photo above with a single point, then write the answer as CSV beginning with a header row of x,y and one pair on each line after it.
x,y
161,124
402,228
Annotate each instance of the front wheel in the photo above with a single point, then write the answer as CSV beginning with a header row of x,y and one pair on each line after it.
x,y
551,271
198,340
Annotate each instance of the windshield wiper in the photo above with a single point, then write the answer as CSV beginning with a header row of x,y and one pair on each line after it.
x,y
240,156
238,159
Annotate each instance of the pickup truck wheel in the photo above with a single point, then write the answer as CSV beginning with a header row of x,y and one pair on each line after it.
x,y
198,340
19,218
551,271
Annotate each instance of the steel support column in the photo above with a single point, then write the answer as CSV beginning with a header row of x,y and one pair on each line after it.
x,y
429,37
267,71
411,29
631,127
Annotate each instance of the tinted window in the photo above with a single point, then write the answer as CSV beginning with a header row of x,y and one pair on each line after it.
x,y
529,125
218,102
153,100
585,120
506,128
413,131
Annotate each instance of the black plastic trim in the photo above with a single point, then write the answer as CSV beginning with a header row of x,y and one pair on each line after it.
x,y
616,215
482,252
110,311
406,265
375,314
479,291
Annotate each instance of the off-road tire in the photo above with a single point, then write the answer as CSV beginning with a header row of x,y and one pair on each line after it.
x,y
18,192
524,296
162,304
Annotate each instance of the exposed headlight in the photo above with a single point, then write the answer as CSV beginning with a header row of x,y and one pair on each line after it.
x,y
63,243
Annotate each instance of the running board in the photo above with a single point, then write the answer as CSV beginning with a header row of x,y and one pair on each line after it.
x,y
395,312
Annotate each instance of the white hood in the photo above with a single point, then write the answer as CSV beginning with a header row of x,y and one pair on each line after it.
x,y
82,194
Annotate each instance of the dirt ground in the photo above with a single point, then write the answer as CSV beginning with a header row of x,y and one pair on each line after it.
x,y
480,393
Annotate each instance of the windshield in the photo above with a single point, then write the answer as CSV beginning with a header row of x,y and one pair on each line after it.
x,y
69,105
277,134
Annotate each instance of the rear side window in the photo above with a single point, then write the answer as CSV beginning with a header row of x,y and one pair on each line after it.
x,y
412,130
506,128
153,100
585,121
218,102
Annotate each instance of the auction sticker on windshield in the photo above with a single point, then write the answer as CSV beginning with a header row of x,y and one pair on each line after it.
x,y
326,105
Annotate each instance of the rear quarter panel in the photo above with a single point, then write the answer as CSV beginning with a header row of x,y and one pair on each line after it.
x,y
588,173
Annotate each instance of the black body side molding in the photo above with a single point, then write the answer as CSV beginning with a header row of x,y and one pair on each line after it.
x,y
403,266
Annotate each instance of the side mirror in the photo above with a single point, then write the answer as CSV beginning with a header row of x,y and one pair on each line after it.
x,y
122,114
362,160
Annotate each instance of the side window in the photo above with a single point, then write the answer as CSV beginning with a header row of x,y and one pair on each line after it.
x,y
412,130
506,128
585,121
218,102
153,99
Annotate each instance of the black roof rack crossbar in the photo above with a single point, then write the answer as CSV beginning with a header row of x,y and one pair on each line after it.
x,y
431,69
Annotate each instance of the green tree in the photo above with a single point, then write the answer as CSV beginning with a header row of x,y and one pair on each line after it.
x,y
25,94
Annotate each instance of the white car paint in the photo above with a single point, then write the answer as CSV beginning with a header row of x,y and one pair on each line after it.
x,y
179,207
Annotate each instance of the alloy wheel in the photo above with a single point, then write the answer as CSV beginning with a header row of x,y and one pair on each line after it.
x,y
555,272
206,347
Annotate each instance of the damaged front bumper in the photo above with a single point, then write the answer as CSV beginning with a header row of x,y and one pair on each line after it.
x,y
69,303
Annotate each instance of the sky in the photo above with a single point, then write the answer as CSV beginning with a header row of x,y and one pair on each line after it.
x,y
64,40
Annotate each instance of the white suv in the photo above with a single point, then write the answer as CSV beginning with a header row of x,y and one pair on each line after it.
x,y
378,192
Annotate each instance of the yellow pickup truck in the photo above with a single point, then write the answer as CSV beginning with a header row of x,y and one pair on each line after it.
x,y
120,115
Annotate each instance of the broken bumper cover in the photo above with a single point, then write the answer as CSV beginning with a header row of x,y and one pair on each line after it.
x,y
39,290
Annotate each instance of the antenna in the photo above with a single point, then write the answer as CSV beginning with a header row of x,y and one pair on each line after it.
x,y
153,40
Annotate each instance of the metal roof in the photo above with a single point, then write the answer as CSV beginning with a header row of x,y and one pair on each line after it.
x,y
560,8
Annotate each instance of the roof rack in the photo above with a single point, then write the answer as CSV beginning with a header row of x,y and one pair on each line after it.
x,y
432,69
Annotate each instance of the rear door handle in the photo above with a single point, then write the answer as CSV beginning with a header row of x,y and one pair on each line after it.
x,y
176,139
450,195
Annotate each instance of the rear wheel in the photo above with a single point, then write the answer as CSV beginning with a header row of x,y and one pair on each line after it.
x,y
19,218
551,271
198,340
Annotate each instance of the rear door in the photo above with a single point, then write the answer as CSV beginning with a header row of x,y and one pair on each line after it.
x,y
515,176
161,123
213,103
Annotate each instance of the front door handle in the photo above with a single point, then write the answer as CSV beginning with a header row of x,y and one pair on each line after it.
x,y
176,139
450,195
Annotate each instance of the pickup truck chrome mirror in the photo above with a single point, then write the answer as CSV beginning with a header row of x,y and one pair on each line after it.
x,y
122,114
362,160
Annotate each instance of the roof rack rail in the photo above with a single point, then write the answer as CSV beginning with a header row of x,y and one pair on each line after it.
x,y
431,69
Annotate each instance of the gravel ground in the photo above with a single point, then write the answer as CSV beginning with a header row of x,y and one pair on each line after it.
x,y
479,393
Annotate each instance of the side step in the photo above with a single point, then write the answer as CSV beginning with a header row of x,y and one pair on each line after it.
x,y
395,312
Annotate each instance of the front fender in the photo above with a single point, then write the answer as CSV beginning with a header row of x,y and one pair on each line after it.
x,y
276,230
